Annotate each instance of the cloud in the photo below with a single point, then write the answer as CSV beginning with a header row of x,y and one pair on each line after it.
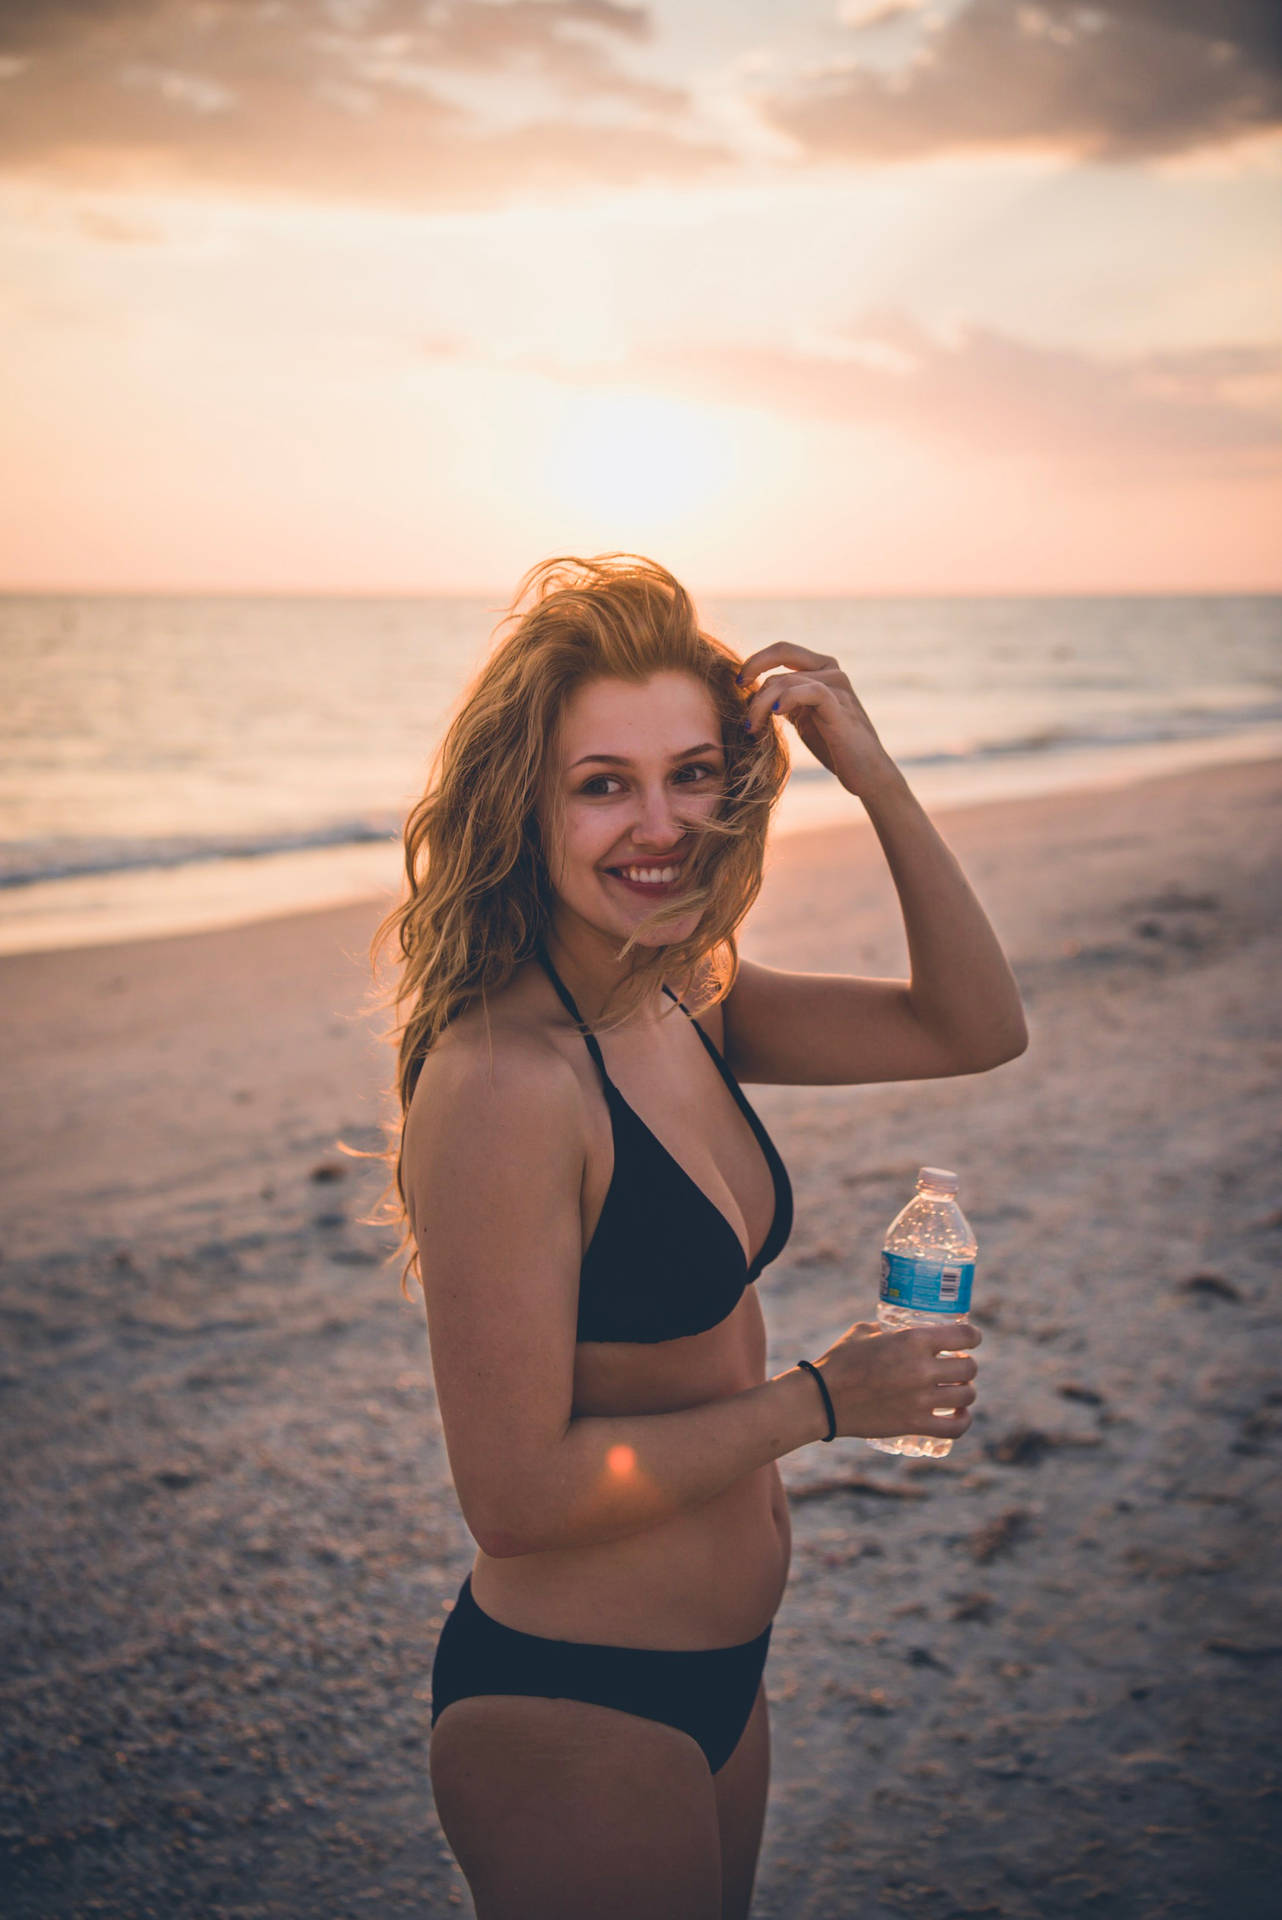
x,y
986,390
1115,80
867,14
463,102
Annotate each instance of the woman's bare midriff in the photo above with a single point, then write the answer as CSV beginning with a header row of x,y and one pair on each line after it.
x,y
714,1575
710,1577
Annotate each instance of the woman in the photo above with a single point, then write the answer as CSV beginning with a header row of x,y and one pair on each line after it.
x,y
591,1196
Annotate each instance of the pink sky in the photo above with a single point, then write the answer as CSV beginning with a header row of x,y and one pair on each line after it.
x,y
358,296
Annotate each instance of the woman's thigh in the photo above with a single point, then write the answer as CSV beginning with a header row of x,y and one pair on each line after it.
x,y
741,1788
561,1810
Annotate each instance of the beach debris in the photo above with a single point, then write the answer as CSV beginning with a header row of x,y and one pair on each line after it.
x,y
1021,1447
1073,1390
855,1483
1174,899
1150,929
1235,1650
1259,1427
1024,1446
824,1253
870,1700
1211,1283
220,1253
973,1606
907,1170
923,1657
328,1170
1159,1563
999,1535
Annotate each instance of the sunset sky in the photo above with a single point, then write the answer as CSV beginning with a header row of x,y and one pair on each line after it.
x,y
799,296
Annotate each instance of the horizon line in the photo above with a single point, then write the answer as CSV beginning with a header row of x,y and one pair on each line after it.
x,y
504,596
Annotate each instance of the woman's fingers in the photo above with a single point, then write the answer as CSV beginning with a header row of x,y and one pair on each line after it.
x,y
945,1426
962,1368
947,1339
783,653
944,1394
905,1380
787,695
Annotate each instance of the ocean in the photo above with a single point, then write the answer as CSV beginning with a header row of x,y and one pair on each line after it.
x,y
174,763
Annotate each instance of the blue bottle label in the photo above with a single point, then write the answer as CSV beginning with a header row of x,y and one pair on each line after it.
x,y
934,1286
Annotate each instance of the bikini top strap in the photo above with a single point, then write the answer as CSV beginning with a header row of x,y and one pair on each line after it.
x,y
567,1001
563,995
709,1044
741,1098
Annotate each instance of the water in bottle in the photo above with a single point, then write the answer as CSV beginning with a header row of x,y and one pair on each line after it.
x,y
927,1270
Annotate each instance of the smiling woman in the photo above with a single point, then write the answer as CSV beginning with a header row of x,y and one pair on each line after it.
x,y
634,816
591,1198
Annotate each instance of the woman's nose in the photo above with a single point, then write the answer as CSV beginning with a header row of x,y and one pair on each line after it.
x,y
657,824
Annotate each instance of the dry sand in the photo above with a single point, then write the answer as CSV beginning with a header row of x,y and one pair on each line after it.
x,y
1037,1679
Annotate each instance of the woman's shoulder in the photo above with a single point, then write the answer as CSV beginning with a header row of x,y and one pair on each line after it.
x,y
498,1054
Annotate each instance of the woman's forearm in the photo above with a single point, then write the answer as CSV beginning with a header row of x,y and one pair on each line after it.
x,y
615,1475
962,988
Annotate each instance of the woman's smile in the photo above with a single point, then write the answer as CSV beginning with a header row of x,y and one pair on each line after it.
x,y
656,878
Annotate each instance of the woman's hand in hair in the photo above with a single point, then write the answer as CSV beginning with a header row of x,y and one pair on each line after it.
x,y
814,693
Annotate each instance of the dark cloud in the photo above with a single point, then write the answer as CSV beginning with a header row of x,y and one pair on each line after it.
x,y
1006,396
335,98
1116,80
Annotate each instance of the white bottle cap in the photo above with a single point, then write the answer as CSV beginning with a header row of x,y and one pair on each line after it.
x,y
938,1177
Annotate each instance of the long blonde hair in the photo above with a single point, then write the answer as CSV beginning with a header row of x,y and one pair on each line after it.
x,y
479,896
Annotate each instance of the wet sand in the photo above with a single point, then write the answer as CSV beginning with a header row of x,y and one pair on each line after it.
x,y
1040,1678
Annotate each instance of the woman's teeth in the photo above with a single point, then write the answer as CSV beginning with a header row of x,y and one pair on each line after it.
x,y
648,876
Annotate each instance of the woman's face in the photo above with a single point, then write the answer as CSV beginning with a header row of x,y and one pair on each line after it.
x,y
639,766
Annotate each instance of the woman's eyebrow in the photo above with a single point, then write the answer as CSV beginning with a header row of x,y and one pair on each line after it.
x,y
621,760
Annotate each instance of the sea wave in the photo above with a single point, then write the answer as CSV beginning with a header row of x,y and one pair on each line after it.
x,y
1192,721
24,862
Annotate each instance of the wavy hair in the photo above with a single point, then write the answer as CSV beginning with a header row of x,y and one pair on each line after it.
x,y
479,895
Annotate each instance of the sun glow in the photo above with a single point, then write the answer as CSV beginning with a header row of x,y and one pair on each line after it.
x,y
626,456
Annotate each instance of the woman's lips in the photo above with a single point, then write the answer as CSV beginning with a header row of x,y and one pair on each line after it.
x,y
648,876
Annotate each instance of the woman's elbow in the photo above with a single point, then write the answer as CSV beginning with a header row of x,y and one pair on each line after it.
x,y
1012,1045
504,1532
1000,1048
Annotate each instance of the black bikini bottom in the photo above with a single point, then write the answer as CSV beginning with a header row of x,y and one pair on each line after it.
x,y
708,1694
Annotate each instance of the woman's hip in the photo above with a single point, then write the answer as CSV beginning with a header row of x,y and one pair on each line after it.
x,y
707,1692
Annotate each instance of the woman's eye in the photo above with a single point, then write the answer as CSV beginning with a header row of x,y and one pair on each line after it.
x,y
602,786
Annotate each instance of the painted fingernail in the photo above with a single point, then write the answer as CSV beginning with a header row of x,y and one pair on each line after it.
x,y
738,679
775,707
747,726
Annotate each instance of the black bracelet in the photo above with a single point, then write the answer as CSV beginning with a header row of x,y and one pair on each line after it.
x,y
822,1385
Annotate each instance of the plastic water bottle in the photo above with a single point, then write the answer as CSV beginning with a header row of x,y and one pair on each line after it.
x,y
927,1270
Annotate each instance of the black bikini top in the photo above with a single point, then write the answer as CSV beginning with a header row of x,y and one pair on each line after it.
x,y
663,1261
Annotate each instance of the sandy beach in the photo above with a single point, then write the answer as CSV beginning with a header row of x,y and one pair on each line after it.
x,y
1037,1679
